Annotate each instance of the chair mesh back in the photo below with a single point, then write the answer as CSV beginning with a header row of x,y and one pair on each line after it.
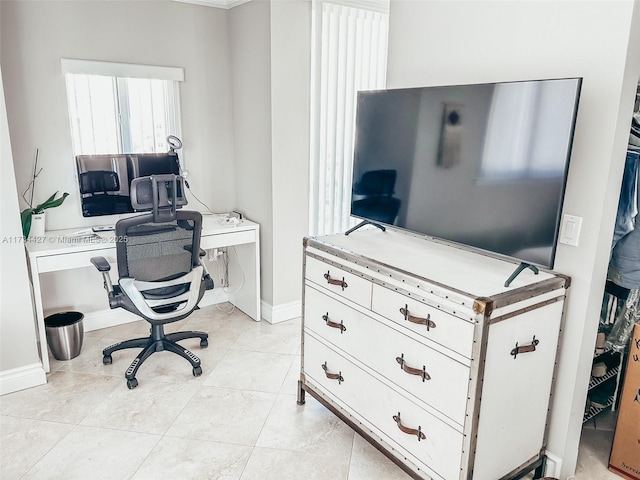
x,y
151,251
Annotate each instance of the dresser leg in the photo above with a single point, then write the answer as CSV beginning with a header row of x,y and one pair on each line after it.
x,y
301,394
539,471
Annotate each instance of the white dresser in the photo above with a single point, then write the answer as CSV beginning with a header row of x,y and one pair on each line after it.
x,y
420,347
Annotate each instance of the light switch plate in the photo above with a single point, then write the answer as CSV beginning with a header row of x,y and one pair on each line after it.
x,y
570,230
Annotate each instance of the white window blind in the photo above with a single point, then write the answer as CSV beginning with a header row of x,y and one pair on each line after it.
x,y
349,54
121,108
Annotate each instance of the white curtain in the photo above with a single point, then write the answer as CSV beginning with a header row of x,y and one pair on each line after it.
x,y
349,54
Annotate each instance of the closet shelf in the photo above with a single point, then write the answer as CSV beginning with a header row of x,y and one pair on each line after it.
x,y
593,411
595,381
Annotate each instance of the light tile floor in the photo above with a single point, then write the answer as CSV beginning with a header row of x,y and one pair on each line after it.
x,y
595,447
238,421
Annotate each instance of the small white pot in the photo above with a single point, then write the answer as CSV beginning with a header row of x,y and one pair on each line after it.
x,y
37,225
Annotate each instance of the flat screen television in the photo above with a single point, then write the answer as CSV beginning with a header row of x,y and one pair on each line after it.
x,y
482,165
104,181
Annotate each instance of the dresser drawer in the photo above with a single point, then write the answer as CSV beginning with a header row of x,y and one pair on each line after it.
x,y
431,377
227,239
443,328
65,261
337,280
439,446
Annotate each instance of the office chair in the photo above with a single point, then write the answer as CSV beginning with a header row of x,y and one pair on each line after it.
x,y
160,275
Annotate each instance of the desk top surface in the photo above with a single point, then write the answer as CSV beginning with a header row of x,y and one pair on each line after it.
x,y
57,242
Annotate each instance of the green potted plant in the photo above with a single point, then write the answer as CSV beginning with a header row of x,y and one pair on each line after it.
x,y
31,214
33,217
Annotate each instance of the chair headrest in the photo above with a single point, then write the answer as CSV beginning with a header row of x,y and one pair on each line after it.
x,y
162,194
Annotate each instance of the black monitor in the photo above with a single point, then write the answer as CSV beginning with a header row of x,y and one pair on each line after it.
x,y
105,180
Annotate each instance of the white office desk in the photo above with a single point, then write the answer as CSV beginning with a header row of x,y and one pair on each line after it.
x,y
57,251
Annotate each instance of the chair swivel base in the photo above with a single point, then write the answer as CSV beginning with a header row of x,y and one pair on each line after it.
x,y
157,342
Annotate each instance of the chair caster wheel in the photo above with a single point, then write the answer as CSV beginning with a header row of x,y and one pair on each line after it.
x,y
197,371
204,343
107,360
132,383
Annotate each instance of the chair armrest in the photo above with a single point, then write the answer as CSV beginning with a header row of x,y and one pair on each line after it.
x,y
101,264
206,278
103,267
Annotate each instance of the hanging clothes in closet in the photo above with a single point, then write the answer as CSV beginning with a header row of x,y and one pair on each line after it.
x,y
621,299
624,265
621,302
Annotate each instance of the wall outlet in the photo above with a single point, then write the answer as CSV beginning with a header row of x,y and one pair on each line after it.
x,y
214,254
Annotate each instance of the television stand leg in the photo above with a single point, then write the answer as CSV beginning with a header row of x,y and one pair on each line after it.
x,y
363,223
521,267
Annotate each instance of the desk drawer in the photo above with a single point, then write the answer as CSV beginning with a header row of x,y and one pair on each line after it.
x,y
439,447
379,347
445,329
338,280
67,261
227,239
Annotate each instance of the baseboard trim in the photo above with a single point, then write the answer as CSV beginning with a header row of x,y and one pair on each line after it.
x,y
22,378
281,313
552,466
107,318
110,318
212,297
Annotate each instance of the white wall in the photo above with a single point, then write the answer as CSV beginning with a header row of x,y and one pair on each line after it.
x,y
270,45
443,42
20,365
290,90
250,32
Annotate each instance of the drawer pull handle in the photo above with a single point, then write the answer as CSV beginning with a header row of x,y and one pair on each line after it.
x,y
409,431
525,348
332,376
335,281
413,371
342,328
419,320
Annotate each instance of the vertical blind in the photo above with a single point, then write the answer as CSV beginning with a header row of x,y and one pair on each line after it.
x,y
349,54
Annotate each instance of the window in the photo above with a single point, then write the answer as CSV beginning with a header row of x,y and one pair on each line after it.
x,y
121,108
349,53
